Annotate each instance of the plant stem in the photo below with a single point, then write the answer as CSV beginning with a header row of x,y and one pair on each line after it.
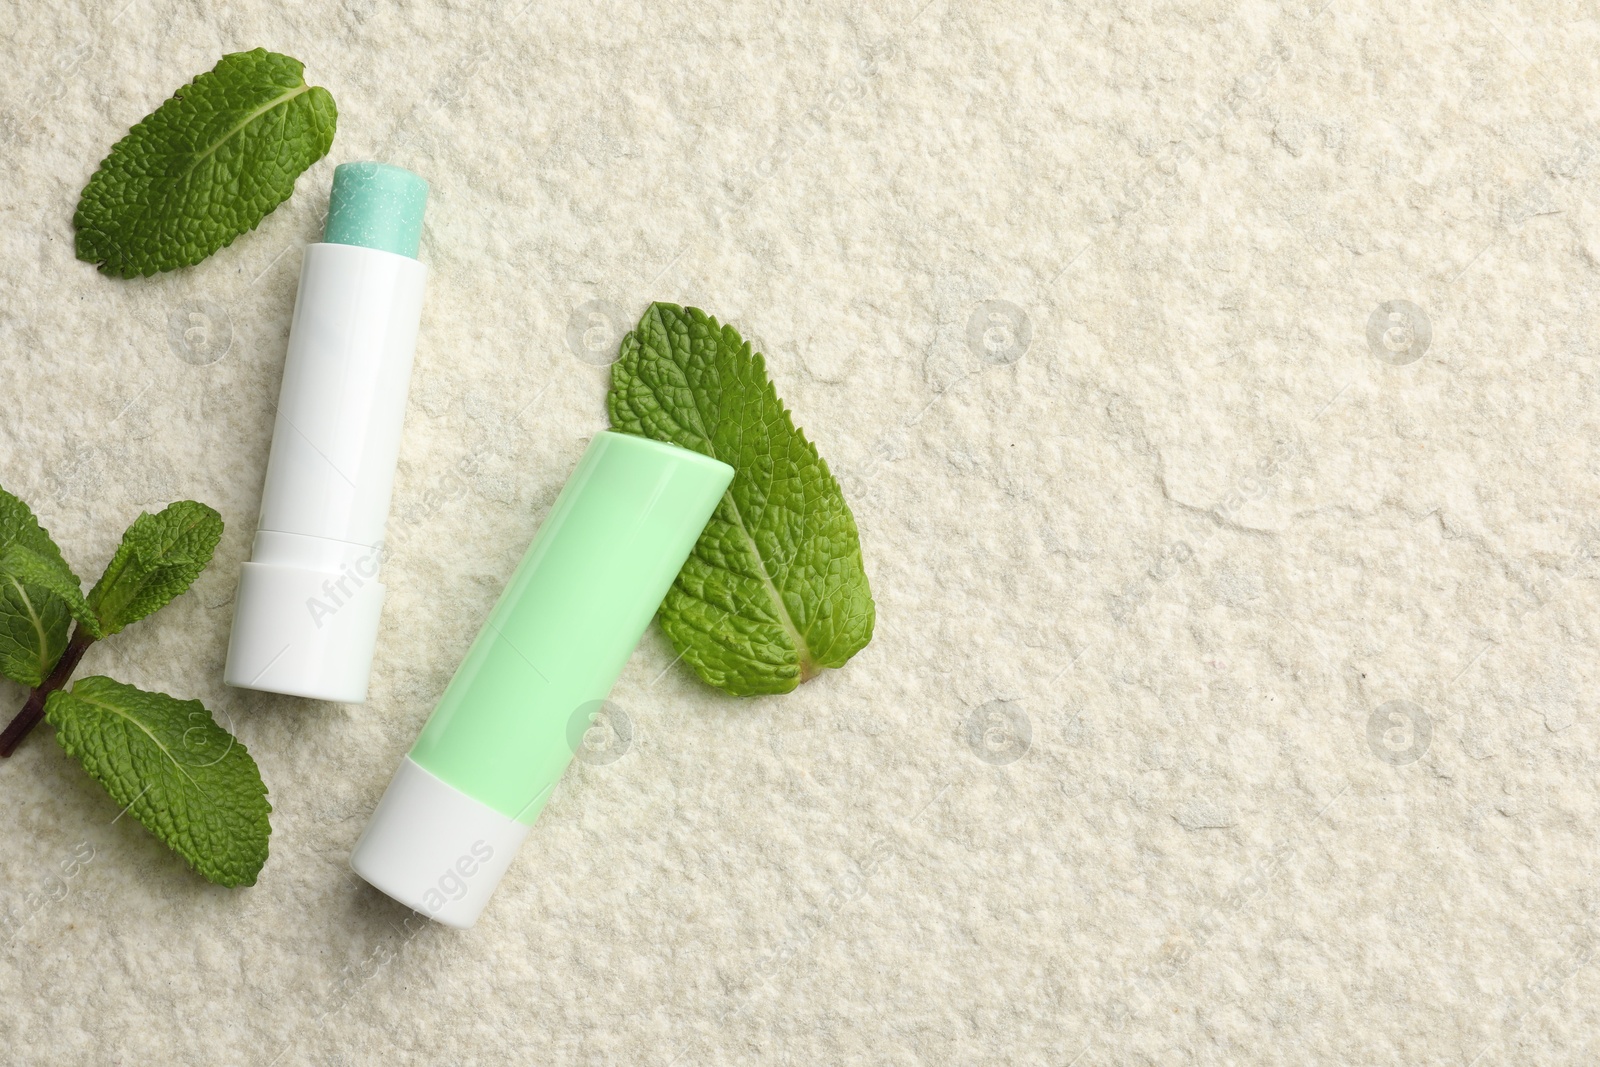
x,y
33,710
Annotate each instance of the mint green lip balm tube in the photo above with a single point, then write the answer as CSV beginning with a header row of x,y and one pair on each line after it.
x,y
502,734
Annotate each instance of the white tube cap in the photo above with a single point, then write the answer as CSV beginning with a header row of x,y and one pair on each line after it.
x,y
290,635
434,848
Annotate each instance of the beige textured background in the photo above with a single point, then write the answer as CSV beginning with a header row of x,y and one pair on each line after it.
x,y
1076,300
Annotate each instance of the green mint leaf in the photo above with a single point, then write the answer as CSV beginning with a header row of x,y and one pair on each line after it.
x,y
33,620
774,591
32,569
204,167
168,763
159,557
33,631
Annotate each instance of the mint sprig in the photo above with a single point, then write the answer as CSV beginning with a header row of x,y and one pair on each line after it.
x,y
204,167
164,760
774,591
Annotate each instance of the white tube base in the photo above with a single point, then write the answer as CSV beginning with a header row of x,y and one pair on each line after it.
x,y
435,849
290,636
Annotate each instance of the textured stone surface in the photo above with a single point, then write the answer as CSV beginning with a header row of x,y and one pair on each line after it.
x,y
1233,697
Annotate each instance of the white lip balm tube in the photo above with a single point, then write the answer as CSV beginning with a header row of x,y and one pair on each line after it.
x,y
306,617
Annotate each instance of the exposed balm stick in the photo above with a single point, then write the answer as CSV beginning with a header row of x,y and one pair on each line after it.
x,y
516,710
306,616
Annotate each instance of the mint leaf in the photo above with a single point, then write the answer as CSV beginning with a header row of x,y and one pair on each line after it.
x,y
33,631
27,566
774,591
159,557
204,167
168,763
33,620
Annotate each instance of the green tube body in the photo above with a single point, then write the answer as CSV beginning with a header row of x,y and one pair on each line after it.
x,y
506,727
